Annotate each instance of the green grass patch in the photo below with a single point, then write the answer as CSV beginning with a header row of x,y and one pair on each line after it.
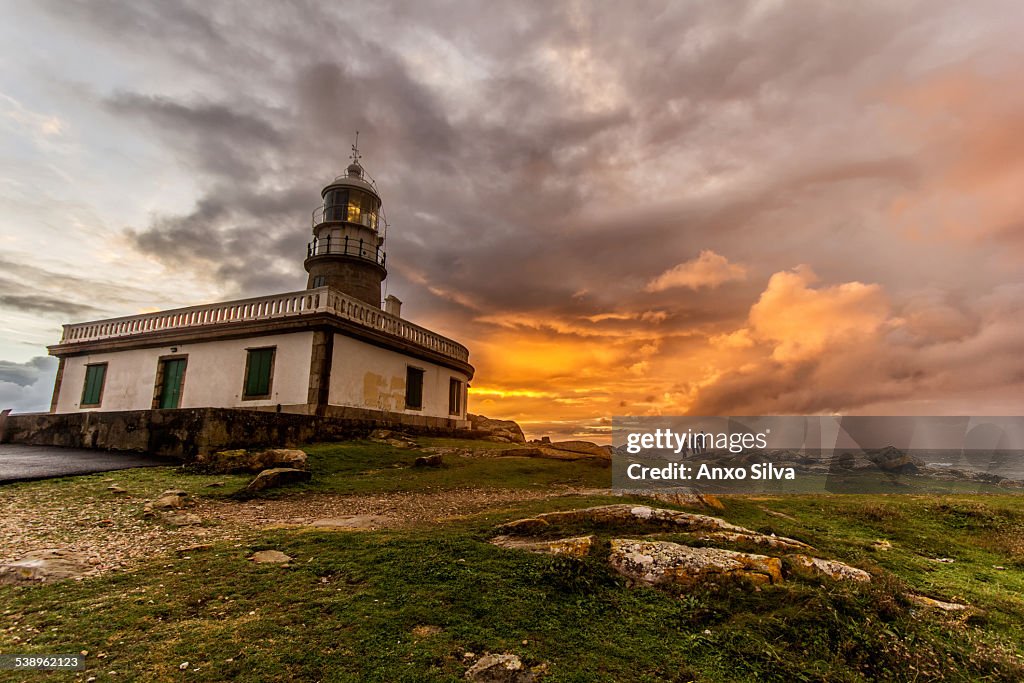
x,y
348,607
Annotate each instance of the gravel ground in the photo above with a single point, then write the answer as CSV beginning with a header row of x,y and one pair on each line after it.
x,y
114,535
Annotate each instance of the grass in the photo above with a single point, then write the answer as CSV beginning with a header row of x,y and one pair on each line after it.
x,y
348,607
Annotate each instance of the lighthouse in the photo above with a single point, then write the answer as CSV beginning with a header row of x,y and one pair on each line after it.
x,y
347,250
330,350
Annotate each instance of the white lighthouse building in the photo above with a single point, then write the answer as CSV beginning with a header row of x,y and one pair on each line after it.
x,y
329,350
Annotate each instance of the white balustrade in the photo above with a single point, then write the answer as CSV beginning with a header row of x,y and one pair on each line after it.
x,y
278,306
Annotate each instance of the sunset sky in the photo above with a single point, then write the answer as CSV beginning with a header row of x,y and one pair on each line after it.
x,y
620,208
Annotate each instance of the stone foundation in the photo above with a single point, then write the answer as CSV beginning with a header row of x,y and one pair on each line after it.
x,y
187,432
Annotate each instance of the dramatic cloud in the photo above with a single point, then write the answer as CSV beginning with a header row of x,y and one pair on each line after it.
x,y
27,386
707,270
703,207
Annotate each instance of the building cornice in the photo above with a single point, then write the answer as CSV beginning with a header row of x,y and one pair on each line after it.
x,y
315,309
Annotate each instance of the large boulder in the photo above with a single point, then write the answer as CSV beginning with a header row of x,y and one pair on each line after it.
x,y
241,460
892,459
662,563
498,430
44,566
277,476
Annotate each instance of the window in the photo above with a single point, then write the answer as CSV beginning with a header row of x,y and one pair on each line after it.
x,y
259,373
454,397
413,388
335,204
95,376
319,281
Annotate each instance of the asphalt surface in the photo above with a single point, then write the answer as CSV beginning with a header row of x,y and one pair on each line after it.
x,y
22,463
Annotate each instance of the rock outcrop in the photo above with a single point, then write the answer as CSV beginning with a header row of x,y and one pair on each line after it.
x,y
832,569
497,430
392,438
561,450
44,566
662,562
578,546
252,461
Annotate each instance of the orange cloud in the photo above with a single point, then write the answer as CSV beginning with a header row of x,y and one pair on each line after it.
x,y
968,126
707,270
802,322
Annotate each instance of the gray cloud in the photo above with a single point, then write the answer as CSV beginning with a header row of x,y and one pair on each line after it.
x,y
27,373
546,161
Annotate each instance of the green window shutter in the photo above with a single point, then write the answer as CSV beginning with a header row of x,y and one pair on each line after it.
x,y
257,382
93,389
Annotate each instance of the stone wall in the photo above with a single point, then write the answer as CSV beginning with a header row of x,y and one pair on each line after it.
x,y
184,433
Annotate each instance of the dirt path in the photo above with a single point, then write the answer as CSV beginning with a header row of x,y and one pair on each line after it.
x,y
114,535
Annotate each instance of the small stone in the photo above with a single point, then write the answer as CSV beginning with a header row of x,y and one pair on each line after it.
x,y
215,485
270,556
180,518
116,490
425,631
183,666
184,550
501,668
432,460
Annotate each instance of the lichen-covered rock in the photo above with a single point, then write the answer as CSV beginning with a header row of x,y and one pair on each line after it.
x,y
505,430
687,499
925,601
578,546
241,460
44,566
643,514
431,460
767,540
662,562
833,569
500,668
278,476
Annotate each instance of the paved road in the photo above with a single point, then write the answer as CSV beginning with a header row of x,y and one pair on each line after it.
x,y
19,462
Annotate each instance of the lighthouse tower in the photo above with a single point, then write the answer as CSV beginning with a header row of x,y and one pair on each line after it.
x,y
347,251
